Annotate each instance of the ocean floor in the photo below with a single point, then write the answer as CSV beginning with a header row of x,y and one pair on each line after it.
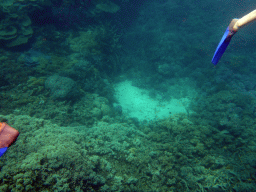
x,y
137,103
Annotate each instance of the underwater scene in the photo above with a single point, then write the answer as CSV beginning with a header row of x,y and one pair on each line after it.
x,y
127,96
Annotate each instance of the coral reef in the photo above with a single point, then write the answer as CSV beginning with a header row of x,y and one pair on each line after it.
x,y
62,87
15,24
106,6
100,45
33,58
96,41
16,31
175,154
60,64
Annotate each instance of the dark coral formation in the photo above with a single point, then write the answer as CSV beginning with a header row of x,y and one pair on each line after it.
x,y
61,87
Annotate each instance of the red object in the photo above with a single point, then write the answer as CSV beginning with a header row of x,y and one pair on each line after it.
x,y
7,135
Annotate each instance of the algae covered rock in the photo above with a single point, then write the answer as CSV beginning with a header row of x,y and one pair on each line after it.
x,y
62,88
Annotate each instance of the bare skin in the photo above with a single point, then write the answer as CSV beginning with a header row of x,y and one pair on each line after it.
x,y
236,24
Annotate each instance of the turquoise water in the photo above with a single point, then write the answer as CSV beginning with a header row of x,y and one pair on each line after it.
x,y
122,96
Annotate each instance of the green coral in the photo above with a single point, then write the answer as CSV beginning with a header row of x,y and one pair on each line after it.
x,y
15,31
224,109
15,24
120,157
99,40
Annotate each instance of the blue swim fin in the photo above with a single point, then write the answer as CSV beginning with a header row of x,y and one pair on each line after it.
x,y
221,47
3,150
